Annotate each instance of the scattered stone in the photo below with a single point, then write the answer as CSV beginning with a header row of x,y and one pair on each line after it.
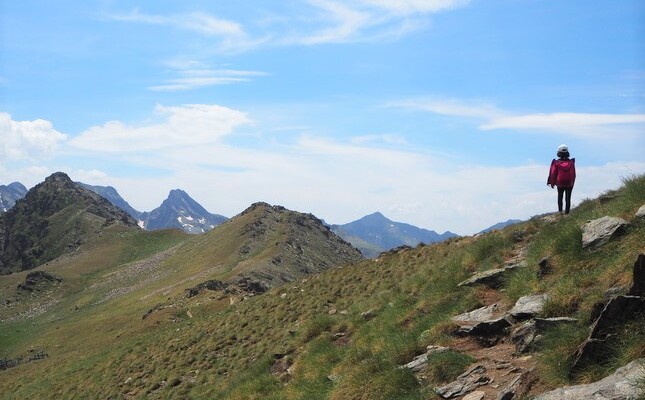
x,y
465,383
281,368
420,361
641,212
367,315
599,231
621,385
476,395
493,278
616,313
344,312
544,268
478,315
283,295
638,287
332,311
528,306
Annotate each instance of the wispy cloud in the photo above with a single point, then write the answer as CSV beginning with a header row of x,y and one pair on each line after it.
x,y
231,35
489,118
193,75
318,22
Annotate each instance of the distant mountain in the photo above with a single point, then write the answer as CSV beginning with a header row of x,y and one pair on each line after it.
x,y
11,193
110,194
179,210
375,233
501,225
54,217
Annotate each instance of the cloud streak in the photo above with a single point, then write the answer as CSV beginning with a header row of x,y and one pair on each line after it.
x,y
489,118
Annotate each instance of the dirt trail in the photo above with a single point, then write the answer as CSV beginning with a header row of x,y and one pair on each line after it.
x,y
512,375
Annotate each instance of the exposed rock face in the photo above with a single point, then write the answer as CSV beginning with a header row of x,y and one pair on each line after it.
x,y
599,231
617,312
211,284
621,385
528,306
55,217
465,383
638,288
493,278
10,194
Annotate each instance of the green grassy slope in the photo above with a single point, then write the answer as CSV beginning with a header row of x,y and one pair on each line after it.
x,y
205,349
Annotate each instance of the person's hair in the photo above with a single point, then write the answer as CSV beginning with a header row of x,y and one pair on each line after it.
x,y
563,154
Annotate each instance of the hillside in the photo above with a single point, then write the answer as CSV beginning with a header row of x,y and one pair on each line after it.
x,y
343,333
375,233
53,218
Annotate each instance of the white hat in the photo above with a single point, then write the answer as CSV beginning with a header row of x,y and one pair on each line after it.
x,y
563,148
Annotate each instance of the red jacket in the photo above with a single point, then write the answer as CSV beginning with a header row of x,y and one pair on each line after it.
x,y
562,173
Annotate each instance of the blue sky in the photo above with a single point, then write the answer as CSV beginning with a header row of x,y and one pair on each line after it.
x,y
440,113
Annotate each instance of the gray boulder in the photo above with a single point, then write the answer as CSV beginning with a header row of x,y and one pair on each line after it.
x,y
528,306
493,278
641,212
599,231
465,383
621,385
478,315
526,336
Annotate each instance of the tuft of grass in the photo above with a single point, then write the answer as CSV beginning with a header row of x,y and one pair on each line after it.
x,y
447,366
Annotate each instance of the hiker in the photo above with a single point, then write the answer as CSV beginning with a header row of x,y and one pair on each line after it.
x,y
563,175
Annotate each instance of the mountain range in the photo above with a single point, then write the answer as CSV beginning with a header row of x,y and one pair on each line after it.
x,y
375,233
371,234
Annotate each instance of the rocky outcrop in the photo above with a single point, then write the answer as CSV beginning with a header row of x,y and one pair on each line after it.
x,y
599,231
465,383
616,313
478,315
38,280
528,306
493,278
621,385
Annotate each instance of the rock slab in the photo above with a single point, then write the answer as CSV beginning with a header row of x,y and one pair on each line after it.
x,y
493,278
621,385
465,383
641,212
528,306
420,361
599,231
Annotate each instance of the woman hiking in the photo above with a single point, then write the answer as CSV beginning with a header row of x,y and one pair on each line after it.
x,y
563,175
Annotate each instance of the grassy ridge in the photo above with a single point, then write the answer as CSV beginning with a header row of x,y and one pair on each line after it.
x,y
334,350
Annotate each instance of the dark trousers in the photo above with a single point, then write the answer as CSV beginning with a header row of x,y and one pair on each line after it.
x,y
567,193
